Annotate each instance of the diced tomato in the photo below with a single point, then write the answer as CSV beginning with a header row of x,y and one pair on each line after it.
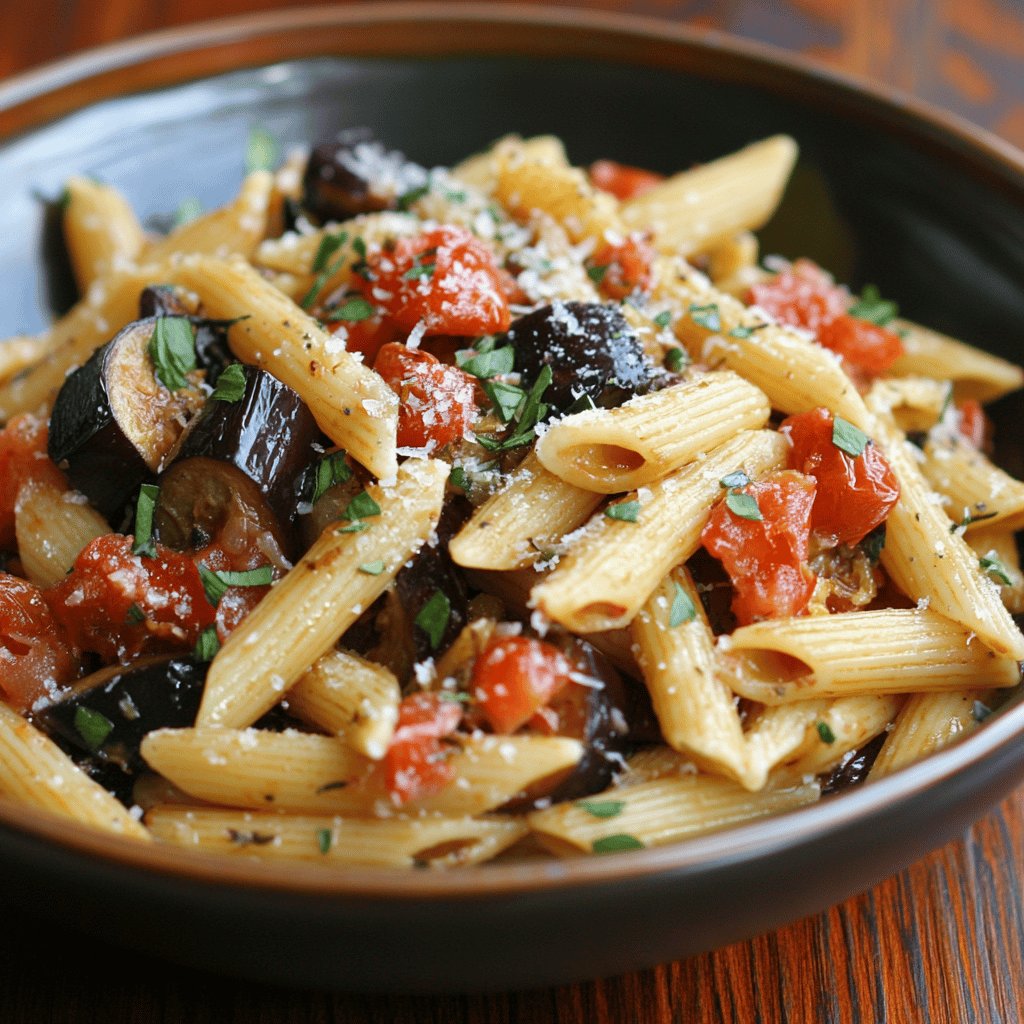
x,y
119,604
367,336
624,268
805,296
415,765
438,402
864,346
514,677
972,424
766,559
22,458
445,278
35,654
802,296
623,181
853,495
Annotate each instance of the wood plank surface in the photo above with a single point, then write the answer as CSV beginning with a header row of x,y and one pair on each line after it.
x,y
941,943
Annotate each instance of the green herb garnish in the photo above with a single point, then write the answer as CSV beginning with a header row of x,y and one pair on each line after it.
x,y
135,615
825,733
741,331
601,808
324,267
362,506
969,518
992,565
626,511
330,470
743,505
459,478
406,199
421,270
873,308
874,543
682,609
374,568
707,317
663,319
848,438
145,505
488,363
323,839
736,479
215,584
597,274
675,359
261,151
188,210
173,351
207,645
980,711
230,384
616,843
93,727
433,617
505,397
353,311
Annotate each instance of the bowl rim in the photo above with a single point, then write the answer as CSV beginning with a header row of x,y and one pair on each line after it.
x,y
752,841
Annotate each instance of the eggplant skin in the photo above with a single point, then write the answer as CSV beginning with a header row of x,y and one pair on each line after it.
x,y
152,693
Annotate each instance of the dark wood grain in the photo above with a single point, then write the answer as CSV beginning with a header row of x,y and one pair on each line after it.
x,y
941,943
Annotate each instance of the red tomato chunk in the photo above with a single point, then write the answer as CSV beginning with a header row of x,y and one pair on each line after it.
x,y
805,296
854,494
623,181
972,424
119,604
623,269
514,677
416,765
438,402
22,458
766,559
445,278
35,656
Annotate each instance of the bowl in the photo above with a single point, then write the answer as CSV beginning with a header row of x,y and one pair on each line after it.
x,y
887,190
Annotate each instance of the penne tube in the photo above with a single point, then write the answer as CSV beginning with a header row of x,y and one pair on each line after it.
x,y
621,449
793,370
35,772
998,548
697,208
614,565
20,353
773,734
101,231
977,492
663,810
695,709
524,520
305,773
306,612
911,650
974,373
351,697
841,728
927,723
352,404
395,842
237,228
481,169
915,403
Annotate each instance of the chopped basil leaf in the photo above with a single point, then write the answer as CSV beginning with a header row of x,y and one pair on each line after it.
x,y
873,308
433,617
374,568
706,316
207,645
675,359
214,587
215,584
362,506
742,331
93,727
261,151
421,270
582,404
530,413
330,470
455,696
616,843
991,564
357,527
188,210
596,274
736,479
329,245
173,350
230,384
323,839
826,733
135,615
663,319
847,438
506,398
406,199
947,402
487,364
969,518
743,505
874,543
458,478
601,808
144,508
353,311
627,511
324,268
682,609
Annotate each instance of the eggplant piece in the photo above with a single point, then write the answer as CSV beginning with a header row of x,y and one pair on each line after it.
x,y
162,300
107,714
854,768
114,422
241,458
590,348
355,174
213,354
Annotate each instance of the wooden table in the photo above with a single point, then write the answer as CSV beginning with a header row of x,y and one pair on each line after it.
x,y
941,942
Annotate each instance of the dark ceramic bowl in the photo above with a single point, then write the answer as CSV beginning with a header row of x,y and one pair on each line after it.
x,y
886,191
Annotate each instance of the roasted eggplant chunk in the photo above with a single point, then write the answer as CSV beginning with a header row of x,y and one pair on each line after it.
x,y
107,715
590,348
238,459
114,422
355,174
